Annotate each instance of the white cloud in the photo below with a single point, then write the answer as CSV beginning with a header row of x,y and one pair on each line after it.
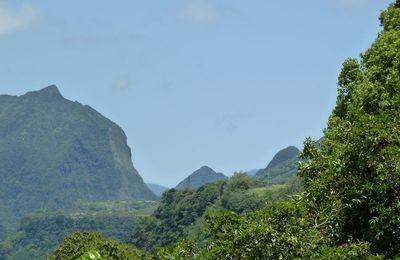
x,y
122,83
14,19
200,13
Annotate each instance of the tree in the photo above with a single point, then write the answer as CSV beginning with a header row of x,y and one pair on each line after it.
x,y
353,179
83,245
282,231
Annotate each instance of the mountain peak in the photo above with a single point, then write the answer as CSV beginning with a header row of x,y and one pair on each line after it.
x,y
200,177
282,167
50,91
47,139
284,155
205,168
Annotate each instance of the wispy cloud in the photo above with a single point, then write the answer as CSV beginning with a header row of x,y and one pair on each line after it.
x,y
200,13
122,83
15,19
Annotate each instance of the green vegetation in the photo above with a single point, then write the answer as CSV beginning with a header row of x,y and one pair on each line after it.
x,y
177,210
354,178
54,152
349,209
181,213
85,245
351,205
40,232
200,177
282,231
282,168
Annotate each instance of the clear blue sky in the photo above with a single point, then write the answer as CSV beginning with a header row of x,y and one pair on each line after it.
x,y
223,83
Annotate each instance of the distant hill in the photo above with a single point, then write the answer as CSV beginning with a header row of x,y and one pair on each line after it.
x,y
282,167
156,188
54,152
181,212
200,177
252,172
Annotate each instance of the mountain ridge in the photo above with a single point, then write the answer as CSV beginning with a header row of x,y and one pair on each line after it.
x,y
54,151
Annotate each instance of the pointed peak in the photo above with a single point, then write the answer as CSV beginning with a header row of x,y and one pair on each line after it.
x,y
204,168
50,91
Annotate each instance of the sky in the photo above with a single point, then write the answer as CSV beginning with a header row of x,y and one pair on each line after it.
x,y
222,83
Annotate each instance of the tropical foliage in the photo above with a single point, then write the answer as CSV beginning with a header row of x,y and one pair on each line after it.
x,y
353,179
86,245
181,213
39,233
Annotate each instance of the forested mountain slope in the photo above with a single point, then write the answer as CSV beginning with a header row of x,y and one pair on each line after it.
x,y
282,167
181,212
200,177
54,152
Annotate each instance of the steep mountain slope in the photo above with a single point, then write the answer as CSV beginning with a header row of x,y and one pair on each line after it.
x,y
156,188
54,152
282,167
200,177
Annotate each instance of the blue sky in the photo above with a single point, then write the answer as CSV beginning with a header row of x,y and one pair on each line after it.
x,y
223,83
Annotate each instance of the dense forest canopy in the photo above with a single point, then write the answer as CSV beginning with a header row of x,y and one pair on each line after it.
x,y
354,178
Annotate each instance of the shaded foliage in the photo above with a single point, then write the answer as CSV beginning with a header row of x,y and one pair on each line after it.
x,y
283,231
177,210
81,244
180,213
39,233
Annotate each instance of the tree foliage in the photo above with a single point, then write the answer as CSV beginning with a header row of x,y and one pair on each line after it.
x,y
82,244
283,231
351,205
39,233
181,213
353,180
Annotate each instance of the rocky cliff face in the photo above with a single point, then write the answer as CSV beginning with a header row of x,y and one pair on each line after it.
x,y
54,152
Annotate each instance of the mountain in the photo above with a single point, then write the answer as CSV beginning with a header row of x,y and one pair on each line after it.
x,y
282,167
200,177
54,152
157,189
252,172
